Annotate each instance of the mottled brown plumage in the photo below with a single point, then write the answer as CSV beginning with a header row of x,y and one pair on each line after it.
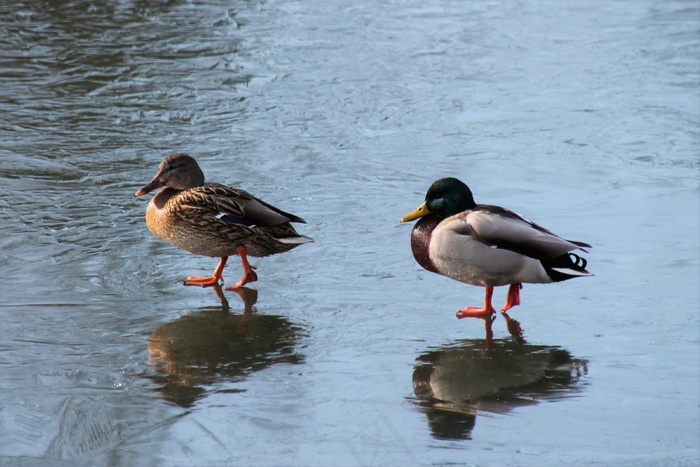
x,y
215,220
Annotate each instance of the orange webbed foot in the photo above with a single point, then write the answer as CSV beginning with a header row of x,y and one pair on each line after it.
x,y
201,281
513,297
472,312
486,312
248,277
248,270
207,281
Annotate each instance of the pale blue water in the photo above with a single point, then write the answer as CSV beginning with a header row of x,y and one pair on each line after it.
x,y
582,117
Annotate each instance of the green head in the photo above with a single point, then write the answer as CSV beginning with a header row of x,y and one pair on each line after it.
x,y
445,197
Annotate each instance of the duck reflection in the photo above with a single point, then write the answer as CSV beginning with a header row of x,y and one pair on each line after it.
x,y
213,345
455,382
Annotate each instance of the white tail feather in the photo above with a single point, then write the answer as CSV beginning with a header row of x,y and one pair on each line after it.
x,y
295,240
572,272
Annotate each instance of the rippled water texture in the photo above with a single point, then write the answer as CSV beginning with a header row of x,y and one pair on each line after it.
x,y
582,116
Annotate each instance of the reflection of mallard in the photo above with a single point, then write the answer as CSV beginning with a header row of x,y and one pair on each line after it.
x,y
213,345
215,220
455,382
487,245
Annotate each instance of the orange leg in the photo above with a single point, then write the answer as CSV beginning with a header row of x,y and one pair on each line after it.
x,y
513,297
248,270
205,281
486,311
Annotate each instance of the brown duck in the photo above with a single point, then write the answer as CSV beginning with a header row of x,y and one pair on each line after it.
x,y
215,220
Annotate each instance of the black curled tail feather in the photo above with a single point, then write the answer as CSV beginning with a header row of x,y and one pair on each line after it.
x,y
579,262
566,266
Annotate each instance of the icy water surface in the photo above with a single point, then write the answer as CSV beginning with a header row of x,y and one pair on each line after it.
x,y
581,116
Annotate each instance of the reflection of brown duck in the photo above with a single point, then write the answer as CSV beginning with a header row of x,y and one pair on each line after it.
x,y
454,382
213,345
215,220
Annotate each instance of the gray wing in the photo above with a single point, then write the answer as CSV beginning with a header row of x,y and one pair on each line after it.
x,y
501,228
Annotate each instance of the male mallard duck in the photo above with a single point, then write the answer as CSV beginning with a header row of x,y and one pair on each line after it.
x,y
487,245
215,220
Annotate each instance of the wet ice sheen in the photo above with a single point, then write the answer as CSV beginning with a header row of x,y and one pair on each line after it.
x,y
581,117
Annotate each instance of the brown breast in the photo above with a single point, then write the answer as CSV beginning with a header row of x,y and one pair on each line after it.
x,y
420,241
157,214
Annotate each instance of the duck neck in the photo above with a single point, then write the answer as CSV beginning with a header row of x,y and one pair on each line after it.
x,y
162,197
420,240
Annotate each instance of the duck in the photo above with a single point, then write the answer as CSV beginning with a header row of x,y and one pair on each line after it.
x,y
488,246
211,219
